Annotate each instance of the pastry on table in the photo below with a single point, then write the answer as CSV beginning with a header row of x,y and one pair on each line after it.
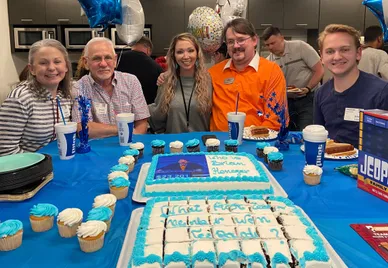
x,y
339,149
259,131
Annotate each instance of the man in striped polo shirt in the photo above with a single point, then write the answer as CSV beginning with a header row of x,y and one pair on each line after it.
x,y
111,92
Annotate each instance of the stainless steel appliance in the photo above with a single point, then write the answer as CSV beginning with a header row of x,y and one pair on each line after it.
x,y
24,37
118,44
77,38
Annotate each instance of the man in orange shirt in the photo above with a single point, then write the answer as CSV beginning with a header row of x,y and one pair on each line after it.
x,y
261,83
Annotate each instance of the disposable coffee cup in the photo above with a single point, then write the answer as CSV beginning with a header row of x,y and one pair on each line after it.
x,y
66,139
125,123
315,137
236,125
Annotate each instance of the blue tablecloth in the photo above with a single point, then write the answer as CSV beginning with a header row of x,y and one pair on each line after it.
x,y
332,205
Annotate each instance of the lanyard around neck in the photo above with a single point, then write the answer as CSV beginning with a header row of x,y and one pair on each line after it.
x,y
187,108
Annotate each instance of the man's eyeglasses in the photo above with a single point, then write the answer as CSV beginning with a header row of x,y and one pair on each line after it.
x,y
239,42
99,59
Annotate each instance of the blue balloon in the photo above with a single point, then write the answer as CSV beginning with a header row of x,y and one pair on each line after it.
x,y
376,7
101,13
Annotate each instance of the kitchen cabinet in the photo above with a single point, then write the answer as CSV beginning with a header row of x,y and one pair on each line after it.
x,y
301,14
27,12
264,13
190,5
349,12
167,20
370,19
63,12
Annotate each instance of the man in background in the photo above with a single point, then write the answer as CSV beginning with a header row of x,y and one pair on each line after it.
x,y
138,62
221,54
303,71
374,60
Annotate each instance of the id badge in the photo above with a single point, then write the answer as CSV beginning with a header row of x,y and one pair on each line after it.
x,y
101,108
352,114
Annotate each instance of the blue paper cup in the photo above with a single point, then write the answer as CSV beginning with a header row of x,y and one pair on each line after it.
x,y
125,123
236,125
315,137
66,139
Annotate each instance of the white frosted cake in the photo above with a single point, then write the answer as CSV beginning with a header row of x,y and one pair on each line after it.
x,y
208,232
205,173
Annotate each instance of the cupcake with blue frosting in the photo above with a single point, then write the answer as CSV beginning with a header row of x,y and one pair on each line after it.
x,y
192,146
260,148
119,187
42,217
231,146
132,152
275,160
120,167
11,235
267,150
158,147
101,214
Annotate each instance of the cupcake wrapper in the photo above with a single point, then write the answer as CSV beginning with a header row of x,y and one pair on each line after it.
x,y
91,245
120,193
130,167
43,225
312,179
157,150
136,157
68,231
275,165
193,149
265,159
11,242
108,222
260,153
175,150
112,207
233,149
141,152
213,148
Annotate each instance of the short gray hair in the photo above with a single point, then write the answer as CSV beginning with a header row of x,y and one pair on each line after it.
x,y
98,40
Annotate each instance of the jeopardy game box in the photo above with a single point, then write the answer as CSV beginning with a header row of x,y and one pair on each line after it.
x,y
373,153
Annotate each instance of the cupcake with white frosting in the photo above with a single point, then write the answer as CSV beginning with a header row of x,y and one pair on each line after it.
x,y
138,146
312,174
116,174
176,147
128,160
105,200
68,221
267,150
91,235
213,145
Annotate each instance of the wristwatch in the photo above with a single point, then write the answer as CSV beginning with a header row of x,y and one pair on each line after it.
x,y
308,88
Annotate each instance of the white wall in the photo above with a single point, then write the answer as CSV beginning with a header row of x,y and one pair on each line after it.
x,y
8,73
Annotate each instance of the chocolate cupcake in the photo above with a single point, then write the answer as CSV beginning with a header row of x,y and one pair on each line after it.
x,y
176,147
192,146
267,150
213,145
260,147
231,146
275,160
158,147
132,152
138,146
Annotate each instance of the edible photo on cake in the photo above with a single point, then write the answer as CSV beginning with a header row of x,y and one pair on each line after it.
x,y
182,166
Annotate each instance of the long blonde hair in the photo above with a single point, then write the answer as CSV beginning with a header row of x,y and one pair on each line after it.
x,y
201,76
65,85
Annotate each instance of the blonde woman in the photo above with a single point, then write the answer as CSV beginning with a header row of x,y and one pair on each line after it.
x,y
183,102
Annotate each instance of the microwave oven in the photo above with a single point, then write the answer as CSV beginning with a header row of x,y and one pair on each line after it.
x,y
77,38
118,44
24,37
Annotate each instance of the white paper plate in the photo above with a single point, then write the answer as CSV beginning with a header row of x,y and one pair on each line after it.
x,y
294,90
334,157
273,135
138,197
130,237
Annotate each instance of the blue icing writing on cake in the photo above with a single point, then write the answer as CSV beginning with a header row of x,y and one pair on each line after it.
x,y
42,210
10,227
195,240
205,173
